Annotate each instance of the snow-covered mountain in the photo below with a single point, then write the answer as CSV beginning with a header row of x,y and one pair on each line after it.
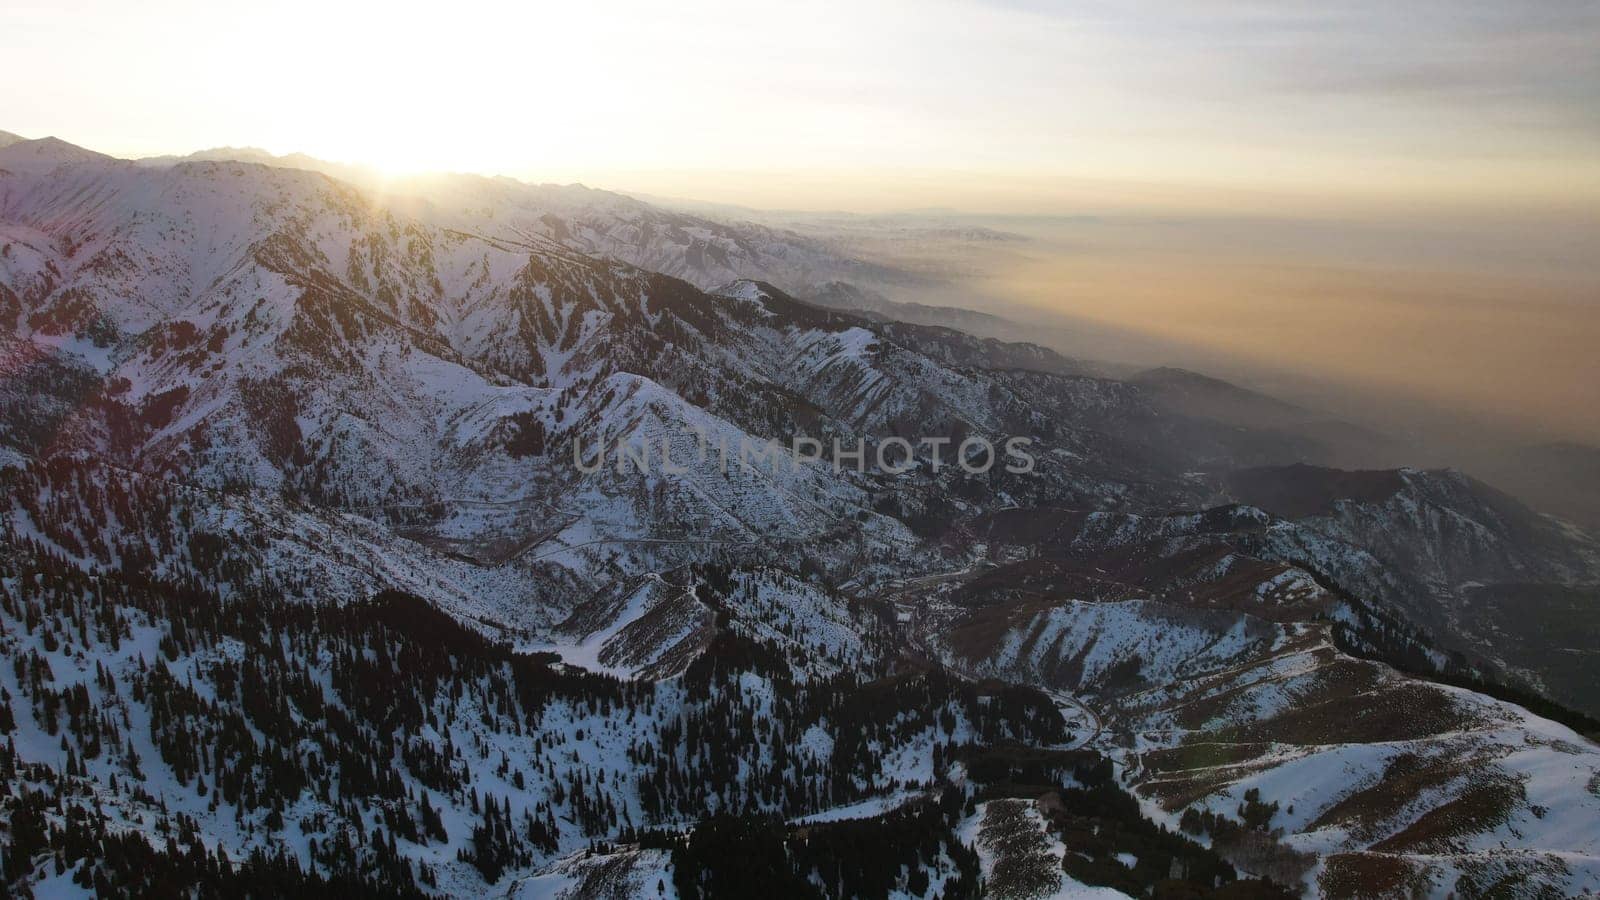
x,y
702,250
1229,670
309,578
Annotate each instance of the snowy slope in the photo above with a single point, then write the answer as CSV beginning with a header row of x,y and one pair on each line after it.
x,y
242,400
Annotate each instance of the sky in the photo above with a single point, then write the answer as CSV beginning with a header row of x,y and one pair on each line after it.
x,y
851,105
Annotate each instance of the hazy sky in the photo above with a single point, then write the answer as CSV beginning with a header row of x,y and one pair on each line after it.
x,y
1388,325
856,104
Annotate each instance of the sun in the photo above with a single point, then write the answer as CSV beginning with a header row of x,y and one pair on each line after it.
x,y
404,162
387,154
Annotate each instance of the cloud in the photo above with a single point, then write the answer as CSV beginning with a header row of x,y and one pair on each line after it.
x,y
1488,61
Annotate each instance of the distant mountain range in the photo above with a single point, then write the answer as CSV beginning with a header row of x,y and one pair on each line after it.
x,y
304,588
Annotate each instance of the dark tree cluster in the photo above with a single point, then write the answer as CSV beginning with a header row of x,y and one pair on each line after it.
x,y
367,728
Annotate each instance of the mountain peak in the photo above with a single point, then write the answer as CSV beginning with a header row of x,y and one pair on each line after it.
x,y
43,153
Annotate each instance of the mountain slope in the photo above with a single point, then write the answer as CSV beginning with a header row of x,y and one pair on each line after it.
x,y
323,545
1224,687
1484,575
